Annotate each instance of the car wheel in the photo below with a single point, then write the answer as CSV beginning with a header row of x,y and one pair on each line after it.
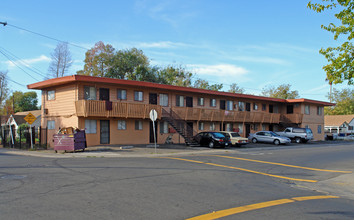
x,y
211,144
276,142
254,140
297,140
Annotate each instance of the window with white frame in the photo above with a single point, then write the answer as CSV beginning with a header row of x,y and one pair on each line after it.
x,y
89,93
319,110
163,127
212,126
138,96
240,128
264,127
179,100
241,106
90,126
121,94
138,125
164,99
51,95
255,106
122,125
200,101
212,102
307,109
229,105
228,127
255,127
51,125
319,129
201,126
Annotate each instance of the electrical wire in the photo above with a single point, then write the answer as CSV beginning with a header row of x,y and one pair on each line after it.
x,y
42,35
16,82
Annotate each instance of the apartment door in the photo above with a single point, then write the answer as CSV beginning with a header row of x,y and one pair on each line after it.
x,y
222,104
104,132
270,108
104,94
290,109
248,106
189,101
270,127
152,132
153,98
190,129
247,129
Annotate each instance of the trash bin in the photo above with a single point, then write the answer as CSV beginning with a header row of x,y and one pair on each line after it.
x,y
70,140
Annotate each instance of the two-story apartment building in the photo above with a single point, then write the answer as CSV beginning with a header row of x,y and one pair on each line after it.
x,y
115,111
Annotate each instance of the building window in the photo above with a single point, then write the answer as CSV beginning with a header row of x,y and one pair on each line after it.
x,y
319,129
228,127
89,93
350,128
138,125
201,101
264,107
241,106
229,105
51,95
240,128
201,126
138,96
263,127
90,126
212,102
212,126
306,126
179,101
319,110
122,125
51,125
164,99
275,109
307,109
255,127
121,94
163,127
255,106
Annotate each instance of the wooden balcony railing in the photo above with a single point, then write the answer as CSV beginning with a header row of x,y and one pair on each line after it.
x,y
199,114
292,118
97,108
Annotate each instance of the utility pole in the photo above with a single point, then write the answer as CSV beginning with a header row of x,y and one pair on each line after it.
x,y
3,23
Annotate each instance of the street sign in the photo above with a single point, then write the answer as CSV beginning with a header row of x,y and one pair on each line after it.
x,y
153,115
30,118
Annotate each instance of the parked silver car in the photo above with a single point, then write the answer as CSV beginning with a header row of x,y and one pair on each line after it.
x,y
268,137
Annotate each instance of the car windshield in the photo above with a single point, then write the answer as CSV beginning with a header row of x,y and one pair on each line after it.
x,y
217,135
235,134
308,131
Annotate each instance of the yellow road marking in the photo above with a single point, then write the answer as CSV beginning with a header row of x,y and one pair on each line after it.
x,y
232,211
282,164
242,169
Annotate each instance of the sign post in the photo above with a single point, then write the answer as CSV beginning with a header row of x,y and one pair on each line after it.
x,y
153,117
30,118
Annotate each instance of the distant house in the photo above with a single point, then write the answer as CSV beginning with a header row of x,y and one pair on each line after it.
x,y
19,118
339,124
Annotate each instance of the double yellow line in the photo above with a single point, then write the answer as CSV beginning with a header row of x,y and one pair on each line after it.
x,y
236,210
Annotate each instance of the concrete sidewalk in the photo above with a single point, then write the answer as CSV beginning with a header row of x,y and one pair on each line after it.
x,y
120,151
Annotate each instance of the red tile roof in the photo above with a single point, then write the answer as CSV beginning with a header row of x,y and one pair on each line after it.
x,y
80,78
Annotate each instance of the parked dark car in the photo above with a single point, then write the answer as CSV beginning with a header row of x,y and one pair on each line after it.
x,y
212,139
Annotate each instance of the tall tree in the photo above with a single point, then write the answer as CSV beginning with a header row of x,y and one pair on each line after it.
x,y
61,61
344,100
175,75
203,84
280,92
128,64
341,58
22,101
234,88
97,60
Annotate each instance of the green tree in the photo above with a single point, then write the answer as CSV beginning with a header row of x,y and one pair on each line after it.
x,y
175,75
280,92
22,101
344,100
97,60
203,84
341,58
234,88
128,64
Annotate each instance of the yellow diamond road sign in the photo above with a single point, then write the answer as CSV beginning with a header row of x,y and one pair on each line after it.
x,y
30,118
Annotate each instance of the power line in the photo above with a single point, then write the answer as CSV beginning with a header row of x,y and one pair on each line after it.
x,y
17,65
25,64
42,35
16,82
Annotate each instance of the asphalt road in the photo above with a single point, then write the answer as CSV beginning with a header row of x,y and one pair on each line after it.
x,y
300,182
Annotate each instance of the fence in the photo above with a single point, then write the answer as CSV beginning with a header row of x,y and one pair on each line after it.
x,y
21,137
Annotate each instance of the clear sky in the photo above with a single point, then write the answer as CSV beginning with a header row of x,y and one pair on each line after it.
x,y
252,43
